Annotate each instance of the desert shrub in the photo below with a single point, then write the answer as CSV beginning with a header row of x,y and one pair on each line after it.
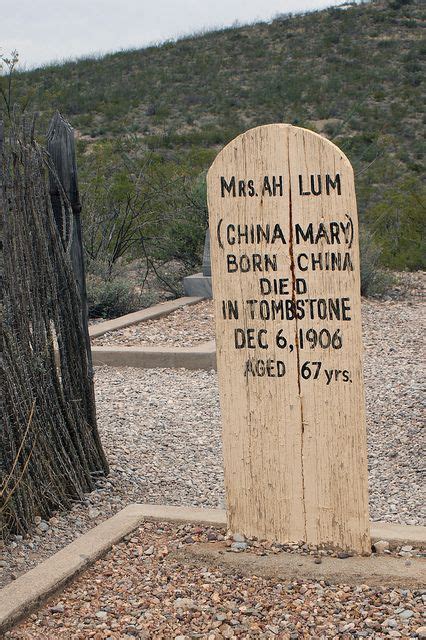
x,y
137,206
110,298
397,4
182,238
375,281
397,222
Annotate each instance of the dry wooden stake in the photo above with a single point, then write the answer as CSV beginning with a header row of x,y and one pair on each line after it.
x,y
286,284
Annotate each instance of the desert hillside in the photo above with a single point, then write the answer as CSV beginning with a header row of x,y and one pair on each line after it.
x,y
352,73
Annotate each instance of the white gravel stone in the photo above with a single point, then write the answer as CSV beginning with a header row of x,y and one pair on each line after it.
x,y
381,546
101,615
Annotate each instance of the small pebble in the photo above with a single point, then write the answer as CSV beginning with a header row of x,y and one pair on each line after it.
x,y
101,615
381,546
58,608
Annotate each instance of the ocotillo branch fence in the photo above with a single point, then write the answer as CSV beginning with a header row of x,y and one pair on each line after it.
x,y
49,444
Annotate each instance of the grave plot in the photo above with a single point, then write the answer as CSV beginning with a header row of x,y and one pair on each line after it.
x,y
188,581
161,432
186,327
168,334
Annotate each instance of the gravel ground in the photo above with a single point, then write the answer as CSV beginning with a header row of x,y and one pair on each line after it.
x,y
161,432
185,327
394,383
141,589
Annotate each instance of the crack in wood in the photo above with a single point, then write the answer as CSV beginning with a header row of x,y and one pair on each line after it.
x,y
293,297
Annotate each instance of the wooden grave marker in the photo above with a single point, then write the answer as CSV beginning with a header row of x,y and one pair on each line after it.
x,y
286,288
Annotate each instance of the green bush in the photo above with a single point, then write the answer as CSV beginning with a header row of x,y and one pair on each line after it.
x,y
397,222
182,238
110,299
397,4
375,281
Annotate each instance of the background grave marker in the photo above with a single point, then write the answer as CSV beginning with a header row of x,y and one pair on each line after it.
x,y
286,284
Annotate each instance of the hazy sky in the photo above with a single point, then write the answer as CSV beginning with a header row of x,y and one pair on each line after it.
x,y
46,30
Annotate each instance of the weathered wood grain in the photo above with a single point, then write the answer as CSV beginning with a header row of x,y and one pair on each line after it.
x,y
294,446
61,148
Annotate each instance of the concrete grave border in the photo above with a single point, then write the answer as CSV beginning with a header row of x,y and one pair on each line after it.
x,y
32,589
201,356
151,313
